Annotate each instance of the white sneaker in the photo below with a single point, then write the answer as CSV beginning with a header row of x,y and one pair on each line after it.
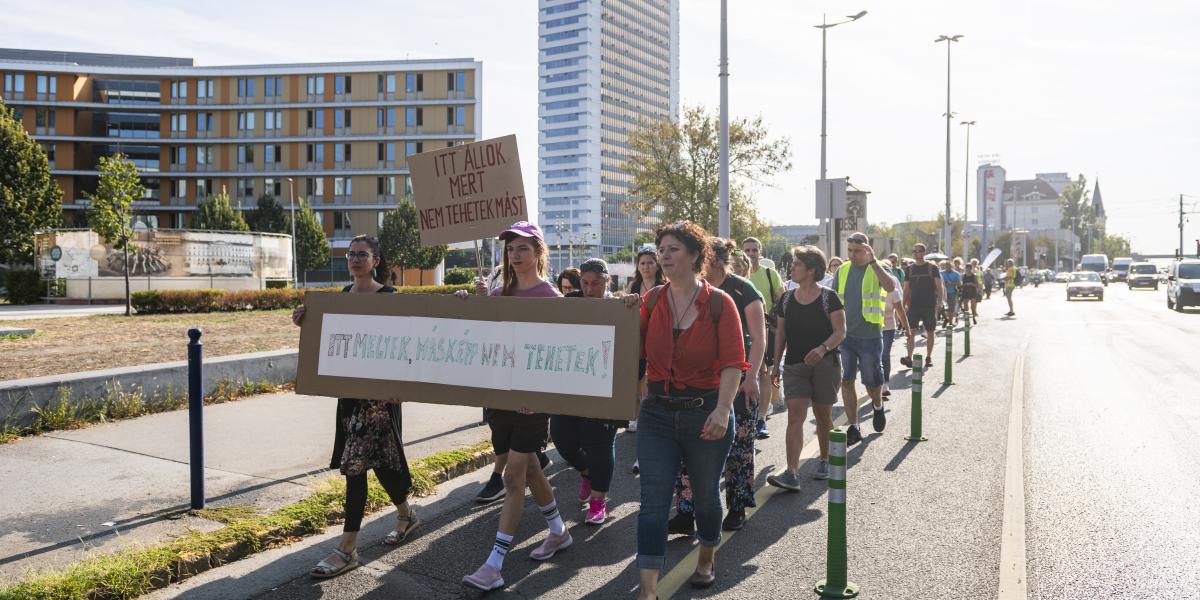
x,y
632,426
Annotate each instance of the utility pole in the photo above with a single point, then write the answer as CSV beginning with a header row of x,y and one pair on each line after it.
x,y
949,39
723,177
966,251
831,226
1181,226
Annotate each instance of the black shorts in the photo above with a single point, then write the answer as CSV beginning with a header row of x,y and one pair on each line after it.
x,y
922,314
517,432
769,351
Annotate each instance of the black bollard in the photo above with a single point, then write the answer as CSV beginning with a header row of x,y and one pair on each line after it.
x,y
196,415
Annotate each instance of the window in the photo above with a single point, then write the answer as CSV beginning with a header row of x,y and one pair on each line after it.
x,y
316,119
204,121
245,188
245,154
341,186
341,118
385,117
414,82
412,148
273,120
49,149
386,83
316,153
245,120
273,85
245,87
14,82
414,117
456,115
386,151
273,154
316,85
341,84
179,188
204,156
314,186
178,155
203,188
40,116
205,88
407,185
385,186
341,224
341,152
47,84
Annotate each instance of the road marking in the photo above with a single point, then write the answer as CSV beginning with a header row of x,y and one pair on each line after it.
x,y
670,583
1013,580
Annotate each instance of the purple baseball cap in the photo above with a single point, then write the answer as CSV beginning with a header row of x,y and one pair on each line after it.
x,y
523,229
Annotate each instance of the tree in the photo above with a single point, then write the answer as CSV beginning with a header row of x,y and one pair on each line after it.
x,y
268,216
400,240
312,248
675,164
111,213
29,198
216,213
1076,207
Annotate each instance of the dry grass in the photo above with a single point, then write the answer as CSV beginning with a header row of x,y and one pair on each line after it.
x,y
68,345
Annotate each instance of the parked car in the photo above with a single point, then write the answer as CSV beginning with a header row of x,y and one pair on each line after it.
x,y
1183,284
1085,284
1142,274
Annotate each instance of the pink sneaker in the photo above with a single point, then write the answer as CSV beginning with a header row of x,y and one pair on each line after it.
x,y
486,578
597,511
553,544
585,489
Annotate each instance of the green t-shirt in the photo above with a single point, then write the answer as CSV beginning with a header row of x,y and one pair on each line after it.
x,y
766,280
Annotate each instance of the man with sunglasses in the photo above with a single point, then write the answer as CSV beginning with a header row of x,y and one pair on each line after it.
x,y
923,294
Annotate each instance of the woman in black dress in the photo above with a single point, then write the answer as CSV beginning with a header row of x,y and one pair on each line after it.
x,y
368,434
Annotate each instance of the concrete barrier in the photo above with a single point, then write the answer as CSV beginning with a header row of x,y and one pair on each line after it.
x,y
18,397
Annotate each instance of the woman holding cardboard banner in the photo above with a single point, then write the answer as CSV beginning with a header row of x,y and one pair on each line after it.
x,y
368,435
522,433
694,362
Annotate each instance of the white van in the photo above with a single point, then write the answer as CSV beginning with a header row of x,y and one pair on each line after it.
x,y
1097,263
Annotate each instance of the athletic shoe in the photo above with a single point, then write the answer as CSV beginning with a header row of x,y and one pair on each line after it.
x,y
492,491
906,361
682,524
585,489
552,545
486,578
853,435
878,420
597,511
544,460
632,427
762,430
886,392
928,362
786,480
637,470
734,520
822,470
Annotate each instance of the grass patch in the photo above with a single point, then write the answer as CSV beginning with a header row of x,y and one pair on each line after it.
x,y
132,572
16,336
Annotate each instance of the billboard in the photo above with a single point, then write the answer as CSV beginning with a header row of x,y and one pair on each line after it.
x,y
166,253
990,205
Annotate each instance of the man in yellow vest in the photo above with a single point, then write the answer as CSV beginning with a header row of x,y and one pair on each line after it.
x,y
863,285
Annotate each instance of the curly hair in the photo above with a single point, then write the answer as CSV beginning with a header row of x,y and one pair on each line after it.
x,y
692,236
722,252
570,274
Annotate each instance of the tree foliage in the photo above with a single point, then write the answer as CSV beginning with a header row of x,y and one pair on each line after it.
x,y
111,212
215,213
1076,207
268,216
675,169
29,198
312,247
400,240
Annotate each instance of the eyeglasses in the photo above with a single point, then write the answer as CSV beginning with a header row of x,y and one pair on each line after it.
x,y
358,255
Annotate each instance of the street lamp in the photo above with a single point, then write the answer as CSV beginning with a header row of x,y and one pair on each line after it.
x,y
825,27
295,257
946,226
967,191
723,152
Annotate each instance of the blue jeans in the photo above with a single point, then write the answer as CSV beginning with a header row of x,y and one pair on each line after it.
x,y
865,356
664,437
889,336
589,445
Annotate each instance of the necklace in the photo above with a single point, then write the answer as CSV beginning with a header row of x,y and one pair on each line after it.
x,y
679,319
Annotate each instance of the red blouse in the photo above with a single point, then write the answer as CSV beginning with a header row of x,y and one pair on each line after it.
x,y
702,351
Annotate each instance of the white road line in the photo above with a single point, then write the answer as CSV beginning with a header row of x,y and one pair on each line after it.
x,y
1013,582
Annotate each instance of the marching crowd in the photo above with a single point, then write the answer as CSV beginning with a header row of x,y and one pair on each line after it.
x,y
724,338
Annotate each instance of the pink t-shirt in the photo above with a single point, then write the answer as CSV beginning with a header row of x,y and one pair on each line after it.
x,y
542,290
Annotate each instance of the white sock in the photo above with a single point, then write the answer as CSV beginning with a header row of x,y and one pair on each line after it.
x,y
499,550
553,519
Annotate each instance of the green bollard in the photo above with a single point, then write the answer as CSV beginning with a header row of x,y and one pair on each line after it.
x,y
835,585
949,378
914,424
967,335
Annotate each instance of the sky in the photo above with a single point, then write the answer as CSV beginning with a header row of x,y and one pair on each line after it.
x,y
1101,88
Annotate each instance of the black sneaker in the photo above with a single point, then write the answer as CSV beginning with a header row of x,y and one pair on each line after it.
x,y
544,460
682,524
734,520
878,420
906,361
853,435
929,362
637,469
762,430
494,490
886,392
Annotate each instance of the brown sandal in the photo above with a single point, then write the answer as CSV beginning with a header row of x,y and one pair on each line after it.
x,y
404,525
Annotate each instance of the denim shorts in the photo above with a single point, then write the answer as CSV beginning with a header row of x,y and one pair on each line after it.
x,y
865,356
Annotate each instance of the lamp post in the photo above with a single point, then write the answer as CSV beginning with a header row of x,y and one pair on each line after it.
x,y
946,225
967,191
723,174
295,257
825,27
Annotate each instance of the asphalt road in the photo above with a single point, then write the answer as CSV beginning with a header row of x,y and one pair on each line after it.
x,y
1110,476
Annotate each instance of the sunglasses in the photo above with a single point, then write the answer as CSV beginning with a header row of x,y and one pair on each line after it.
x,y
592,268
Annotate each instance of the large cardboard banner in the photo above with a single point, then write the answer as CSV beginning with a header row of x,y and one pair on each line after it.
x,y
468,192
568,357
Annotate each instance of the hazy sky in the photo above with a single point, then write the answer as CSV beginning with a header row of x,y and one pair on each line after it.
x,y
1102,88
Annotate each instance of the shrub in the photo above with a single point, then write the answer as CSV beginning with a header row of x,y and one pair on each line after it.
x,y
206,300
458,276
434,289
22,286
147,302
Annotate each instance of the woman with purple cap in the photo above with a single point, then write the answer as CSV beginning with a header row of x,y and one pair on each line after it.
x,y
521,433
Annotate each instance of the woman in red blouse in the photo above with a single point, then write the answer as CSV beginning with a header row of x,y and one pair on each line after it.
x,y
692,343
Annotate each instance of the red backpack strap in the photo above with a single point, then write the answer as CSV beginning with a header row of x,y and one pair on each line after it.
x,y
716,305
652,298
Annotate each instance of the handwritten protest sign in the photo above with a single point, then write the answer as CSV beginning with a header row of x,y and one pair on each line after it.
x,y
468,192
572,357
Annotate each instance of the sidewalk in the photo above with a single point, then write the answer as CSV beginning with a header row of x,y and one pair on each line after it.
x,y
21,312
110,486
